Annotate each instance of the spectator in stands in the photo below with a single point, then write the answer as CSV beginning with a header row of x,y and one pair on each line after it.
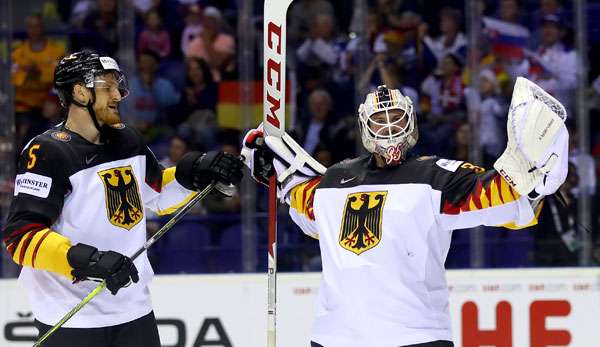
x,y
553,65
77,11
154,38
150,95
402,44
301,16
556,238
389,11
547,8
98,31
200,93
324,156
320,49
451,39
510,11
348,59
144,6
51,110
178,147
444,87
201,129
315,130
586,168
51,115
492,115
213,45
345,139
33,63
193,26
463,140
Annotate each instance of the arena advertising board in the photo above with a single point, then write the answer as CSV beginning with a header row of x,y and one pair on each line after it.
x,y
504,308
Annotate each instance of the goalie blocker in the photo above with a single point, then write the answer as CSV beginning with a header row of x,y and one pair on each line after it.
x,y
267,155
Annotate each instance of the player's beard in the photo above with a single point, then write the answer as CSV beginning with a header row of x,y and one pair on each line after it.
x,y
108,116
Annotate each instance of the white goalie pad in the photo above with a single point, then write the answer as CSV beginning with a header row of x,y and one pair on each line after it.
x,y
536,156
292,164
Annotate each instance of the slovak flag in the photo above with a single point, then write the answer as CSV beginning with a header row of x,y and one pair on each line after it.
x,y
507,39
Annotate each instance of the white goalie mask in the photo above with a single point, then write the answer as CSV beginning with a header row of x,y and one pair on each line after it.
x,y
387,124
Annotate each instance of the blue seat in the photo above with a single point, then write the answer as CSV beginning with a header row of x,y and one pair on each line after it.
x,y
509,248
227,256
183,249
459,256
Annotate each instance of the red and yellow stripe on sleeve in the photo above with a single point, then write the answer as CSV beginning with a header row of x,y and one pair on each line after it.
x,y
302,197
37,246
495,192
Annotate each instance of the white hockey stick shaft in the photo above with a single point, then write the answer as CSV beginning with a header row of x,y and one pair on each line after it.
x,y
274,84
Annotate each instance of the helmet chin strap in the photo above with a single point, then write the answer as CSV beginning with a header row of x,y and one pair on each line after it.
x,y
90,109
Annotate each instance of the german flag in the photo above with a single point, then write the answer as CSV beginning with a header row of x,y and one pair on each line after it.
x,y
229,108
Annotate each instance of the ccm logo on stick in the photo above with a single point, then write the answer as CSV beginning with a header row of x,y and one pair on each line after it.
x,y
274,70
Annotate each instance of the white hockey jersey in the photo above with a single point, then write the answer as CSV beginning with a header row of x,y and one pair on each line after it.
x,y
70,191
384,235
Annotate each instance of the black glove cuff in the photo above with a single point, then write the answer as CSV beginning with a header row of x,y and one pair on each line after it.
x,y
184,173
80,255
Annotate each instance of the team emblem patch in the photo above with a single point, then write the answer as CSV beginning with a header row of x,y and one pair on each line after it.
x,y
361,225
123,201
61,136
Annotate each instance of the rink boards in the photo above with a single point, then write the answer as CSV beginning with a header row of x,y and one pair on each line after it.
x,y
517,308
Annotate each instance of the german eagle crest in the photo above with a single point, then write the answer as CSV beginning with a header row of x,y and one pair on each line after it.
x,y
361,225
123,202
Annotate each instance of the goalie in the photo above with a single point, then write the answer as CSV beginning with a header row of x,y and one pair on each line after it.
x,y
384,221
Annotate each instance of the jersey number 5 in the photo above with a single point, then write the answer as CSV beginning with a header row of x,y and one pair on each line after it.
x,y
32,156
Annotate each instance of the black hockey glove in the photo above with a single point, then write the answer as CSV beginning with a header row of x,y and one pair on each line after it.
x,y
90,264
258,157
195,170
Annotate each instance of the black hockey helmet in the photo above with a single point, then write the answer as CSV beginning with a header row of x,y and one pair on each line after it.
x,y
83,67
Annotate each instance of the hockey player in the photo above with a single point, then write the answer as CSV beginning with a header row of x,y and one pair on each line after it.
x,y
384,220
78,210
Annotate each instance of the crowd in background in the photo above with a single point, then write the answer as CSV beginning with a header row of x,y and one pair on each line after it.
x,y
187,62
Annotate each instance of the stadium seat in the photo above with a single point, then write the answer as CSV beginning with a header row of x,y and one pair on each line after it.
x,y
182,249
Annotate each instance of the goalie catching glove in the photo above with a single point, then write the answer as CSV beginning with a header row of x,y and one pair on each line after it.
x,y
90,264
536,155
268,155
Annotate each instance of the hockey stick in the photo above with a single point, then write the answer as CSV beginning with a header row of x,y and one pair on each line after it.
x,y
274,41
180,213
